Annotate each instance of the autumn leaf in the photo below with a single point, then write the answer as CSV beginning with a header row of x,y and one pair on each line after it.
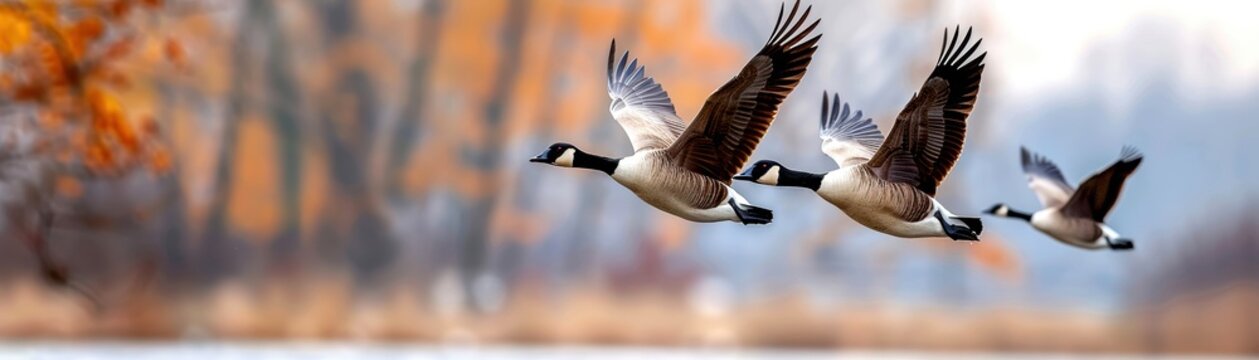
x,y
69,187
174,52
50,60
120,8
160,160
44,9
105,109
149,126
15,31
98,157
89,29
118,49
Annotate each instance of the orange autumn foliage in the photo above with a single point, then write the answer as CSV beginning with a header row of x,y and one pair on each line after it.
x,y
14,31
64,57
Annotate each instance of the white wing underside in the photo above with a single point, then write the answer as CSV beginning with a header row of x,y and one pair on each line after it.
x,y
648,128
846,152
848,138
1050,193
641,105
1045,179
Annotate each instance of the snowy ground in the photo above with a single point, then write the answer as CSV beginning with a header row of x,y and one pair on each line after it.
x,y
263,350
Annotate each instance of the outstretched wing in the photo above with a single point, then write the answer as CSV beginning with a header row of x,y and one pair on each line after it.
x,y
640,105
928,135
736,116
1098,194
847,138
1044,178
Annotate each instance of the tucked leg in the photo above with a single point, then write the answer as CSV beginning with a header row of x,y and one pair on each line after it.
x,y
749,214
1119,244
955,232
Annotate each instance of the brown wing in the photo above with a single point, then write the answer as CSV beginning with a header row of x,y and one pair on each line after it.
x,y
927,138
735,117
1098,194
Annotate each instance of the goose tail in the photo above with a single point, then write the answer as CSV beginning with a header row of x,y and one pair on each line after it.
x,y
749,214
972,222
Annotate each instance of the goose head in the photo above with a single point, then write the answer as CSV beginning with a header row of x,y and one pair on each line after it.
x,y
999,209
762,172
558,154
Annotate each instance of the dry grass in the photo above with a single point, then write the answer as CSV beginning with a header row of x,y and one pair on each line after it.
x,y
1217,322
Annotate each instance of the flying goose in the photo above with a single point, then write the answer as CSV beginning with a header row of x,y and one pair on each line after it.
x,y
888,184
686,170
1074,217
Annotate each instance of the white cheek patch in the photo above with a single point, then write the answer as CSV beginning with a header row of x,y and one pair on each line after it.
x,y
566,159
1003,211
770,177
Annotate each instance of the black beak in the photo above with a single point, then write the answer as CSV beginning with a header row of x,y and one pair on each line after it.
x,y
746,175
541,158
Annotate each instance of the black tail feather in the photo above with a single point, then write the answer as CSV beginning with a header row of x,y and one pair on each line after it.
x,y
754,215
973,223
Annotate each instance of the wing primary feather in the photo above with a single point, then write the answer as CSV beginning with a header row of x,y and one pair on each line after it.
x,y
611,56
835,101
825,118
1129,153
943,42
1098,194
960,47
972,52
806,32
654,122
620,68
783,30
778,23
841,122
735,117
1040,166
799,22
953,42
930,131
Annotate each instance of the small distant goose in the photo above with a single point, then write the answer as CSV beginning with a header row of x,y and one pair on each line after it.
x,y
890,188
1074,217
688,172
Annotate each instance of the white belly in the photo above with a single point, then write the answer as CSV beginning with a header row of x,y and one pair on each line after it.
x,y
636,174
892,225
1074,232
839,190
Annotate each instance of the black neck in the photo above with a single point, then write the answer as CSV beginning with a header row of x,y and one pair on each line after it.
x,y
587,161
1017,214
788,177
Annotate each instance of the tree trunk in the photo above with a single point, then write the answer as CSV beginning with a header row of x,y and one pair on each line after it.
x,y
408,133
488,158
366,242
285,104
173,232
216,245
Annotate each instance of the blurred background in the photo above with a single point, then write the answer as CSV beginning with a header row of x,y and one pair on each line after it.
x,y
356,170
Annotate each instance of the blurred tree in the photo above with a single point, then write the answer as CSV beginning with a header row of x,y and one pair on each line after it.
x,y
348,135
285,102
65,124
487,158
219,253
409,131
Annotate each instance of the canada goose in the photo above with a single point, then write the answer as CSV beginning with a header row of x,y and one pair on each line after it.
x,y
687,170
1071,216
889,187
